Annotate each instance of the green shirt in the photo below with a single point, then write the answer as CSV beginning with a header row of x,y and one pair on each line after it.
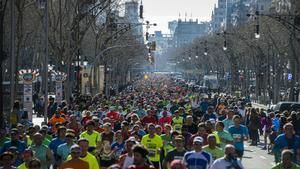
x,y
279,166
40,153
22,166
215,153
222,135
46,142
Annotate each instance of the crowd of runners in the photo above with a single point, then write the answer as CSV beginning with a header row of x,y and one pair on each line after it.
x,y
154,123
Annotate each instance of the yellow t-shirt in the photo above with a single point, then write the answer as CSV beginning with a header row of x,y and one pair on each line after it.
x,y
216,153
89,158
93,138
153,145
22,166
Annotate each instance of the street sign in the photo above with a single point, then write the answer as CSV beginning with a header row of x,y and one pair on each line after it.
x,y
59,78
289,77
28,77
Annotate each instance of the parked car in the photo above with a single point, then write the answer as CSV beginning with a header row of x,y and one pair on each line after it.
x,y
289,106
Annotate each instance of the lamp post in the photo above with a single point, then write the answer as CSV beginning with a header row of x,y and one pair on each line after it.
x,y
78,63
43,4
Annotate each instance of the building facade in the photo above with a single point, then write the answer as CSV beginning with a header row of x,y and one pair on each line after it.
x,y
232,13
187,31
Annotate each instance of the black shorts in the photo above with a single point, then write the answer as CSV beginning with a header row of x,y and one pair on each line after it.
x,y
239,153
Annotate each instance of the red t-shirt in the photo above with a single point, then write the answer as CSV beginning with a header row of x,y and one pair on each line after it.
x,y
148,120
112,115
165,120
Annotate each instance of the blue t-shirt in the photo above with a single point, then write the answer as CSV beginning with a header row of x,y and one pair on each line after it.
x,y
119,148
238,134
55,143
20,145
276,124
197,160
203,106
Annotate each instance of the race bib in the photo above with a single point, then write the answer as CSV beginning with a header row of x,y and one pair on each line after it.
x,y
152,153
237,137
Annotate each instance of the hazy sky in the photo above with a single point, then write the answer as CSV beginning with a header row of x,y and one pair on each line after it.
x,y
162,11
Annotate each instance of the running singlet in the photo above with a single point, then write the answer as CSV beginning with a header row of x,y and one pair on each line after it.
x,y
153,145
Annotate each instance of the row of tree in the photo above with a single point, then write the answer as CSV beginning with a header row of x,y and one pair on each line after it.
x,y
269,64
76,27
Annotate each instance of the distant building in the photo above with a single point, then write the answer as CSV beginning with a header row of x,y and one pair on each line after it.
x,y
163,43
172,26
218,16
231,13
132,16
187,31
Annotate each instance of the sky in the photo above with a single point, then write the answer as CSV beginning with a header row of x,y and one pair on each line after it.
x,y
163,11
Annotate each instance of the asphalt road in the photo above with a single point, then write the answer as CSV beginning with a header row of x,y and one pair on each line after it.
x,y
256,158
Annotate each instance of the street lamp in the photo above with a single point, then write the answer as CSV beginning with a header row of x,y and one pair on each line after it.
x,y
85,61
196,56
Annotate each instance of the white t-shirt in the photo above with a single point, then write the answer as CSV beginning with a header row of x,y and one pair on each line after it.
x,y
127,162
242,112
221,163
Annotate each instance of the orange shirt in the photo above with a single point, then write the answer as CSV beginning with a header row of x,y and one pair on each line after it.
x,y
55,120
75,164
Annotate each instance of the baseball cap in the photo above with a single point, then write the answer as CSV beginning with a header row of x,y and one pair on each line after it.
x,y
131,139
7,153
61,127
14,130
198,139
70,134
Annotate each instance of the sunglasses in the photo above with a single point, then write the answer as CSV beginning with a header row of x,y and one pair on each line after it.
x,y
76,152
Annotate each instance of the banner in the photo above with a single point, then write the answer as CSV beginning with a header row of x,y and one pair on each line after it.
x,y
27,102
59,78
28,77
